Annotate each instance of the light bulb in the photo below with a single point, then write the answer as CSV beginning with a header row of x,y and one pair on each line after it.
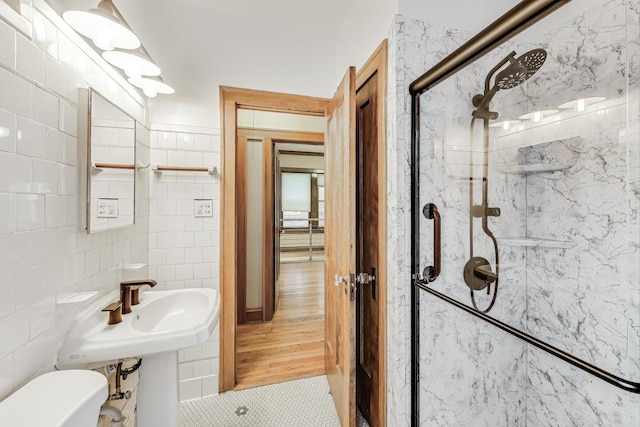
x,y
150,89
103,38
581,104
537,116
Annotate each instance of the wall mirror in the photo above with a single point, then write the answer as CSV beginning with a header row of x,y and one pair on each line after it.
x,y
106,145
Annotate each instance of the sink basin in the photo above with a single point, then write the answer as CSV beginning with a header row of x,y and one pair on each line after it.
x,y
170,312
164,321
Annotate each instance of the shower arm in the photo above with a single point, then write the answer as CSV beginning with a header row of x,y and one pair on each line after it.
x,y
509,58
490,92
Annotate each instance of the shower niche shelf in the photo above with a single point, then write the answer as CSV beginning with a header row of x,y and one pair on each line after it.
x,y
535,168
542,157
531,242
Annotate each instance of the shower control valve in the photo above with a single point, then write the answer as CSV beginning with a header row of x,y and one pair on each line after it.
x,y
478,211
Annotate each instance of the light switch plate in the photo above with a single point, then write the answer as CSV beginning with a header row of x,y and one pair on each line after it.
x,y
202,208
108,208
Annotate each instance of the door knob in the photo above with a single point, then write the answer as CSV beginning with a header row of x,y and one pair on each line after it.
x,y
365,279
337,280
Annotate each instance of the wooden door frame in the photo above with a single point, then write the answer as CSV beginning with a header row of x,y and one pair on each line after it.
x,y
268,139
230,100
377,63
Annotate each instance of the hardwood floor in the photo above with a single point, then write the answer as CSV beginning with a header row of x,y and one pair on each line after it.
x,y
291,345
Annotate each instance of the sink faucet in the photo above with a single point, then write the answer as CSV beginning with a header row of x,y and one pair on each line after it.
x,y
130,292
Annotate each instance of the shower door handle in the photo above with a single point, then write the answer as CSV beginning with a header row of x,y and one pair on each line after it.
x,y
431,272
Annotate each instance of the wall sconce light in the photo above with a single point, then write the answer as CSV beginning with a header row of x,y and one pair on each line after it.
x,y
537,116
109,31
103,26
135,63
581,104
151,86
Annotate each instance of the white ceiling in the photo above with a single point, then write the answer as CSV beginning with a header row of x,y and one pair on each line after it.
x,y
276,45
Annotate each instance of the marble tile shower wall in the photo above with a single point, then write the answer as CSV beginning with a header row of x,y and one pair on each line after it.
x,y
43,255
472,373
184,235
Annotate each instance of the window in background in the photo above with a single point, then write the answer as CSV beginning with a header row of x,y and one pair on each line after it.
x,y
296,199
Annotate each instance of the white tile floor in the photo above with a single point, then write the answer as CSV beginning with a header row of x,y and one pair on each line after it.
x,y
298,403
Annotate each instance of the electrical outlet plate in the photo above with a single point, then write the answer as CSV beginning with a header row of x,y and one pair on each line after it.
x,y
202,208
108,208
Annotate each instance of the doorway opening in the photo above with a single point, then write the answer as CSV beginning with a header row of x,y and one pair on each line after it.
x,y
281,219
258,138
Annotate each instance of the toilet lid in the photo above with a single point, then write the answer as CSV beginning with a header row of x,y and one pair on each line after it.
x,y
52,398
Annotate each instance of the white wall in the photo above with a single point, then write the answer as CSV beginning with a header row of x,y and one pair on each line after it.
x,y
43,255
471,16
184,249
254,223
301,161
364,27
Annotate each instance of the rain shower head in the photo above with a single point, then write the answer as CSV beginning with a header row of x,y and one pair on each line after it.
x,y
521,69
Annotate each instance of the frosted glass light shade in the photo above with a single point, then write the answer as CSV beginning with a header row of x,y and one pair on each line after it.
x,y
151,86
102,27
296,192
134,63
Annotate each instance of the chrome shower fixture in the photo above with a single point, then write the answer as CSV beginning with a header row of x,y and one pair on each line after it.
x,y
478,273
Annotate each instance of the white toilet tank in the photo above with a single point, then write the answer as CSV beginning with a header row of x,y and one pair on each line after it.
x,y
57,399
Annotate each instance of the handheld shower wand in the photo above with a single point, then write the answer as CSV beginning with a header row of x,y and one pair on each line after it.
x,y
478,274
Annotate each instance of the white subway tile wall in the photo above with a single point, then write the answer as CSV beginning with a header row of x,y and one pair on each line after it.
x,y
43,255
184,250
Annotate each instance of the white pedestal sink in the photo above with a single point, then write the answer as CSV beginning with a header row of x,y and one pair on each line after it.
x,y
158,400
163,323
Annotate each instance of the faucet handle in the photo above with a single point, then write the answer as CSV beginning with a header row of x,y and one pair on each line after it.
x,y
115,312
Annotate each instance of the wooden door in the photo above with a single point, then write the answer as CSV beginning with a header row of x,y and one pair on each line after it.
x,y
368,369
278,224
340,248
269,291
241,231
